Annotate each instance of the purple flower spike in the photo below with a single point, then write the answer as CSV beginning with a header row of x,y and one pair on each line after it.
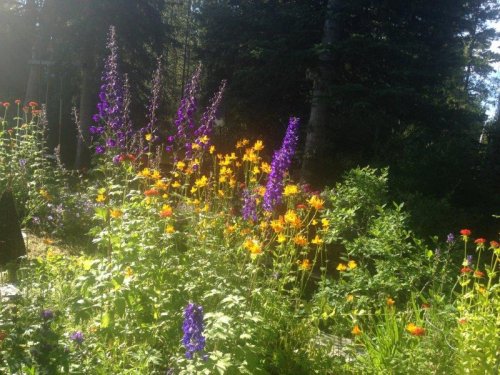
x,y
77,337
47,314
208,118
193,339
249,210
450,238
282,159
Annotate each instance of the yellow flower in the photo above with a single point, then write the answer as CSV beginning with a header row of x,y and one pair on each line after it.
x,y
195,146
305,265
265,167
325,223
128,272
258,146
204,139
116,213
390,302
356,330
300,240
350,298
148,136
160,184
253,246
169,229
281,238
290,190
100,198
352,264
277,225
261,190
341,267
211,149
145,172
45,194
156,175
316,202
176,184
220,192
201,182
255,170
180,165
292,218
316,240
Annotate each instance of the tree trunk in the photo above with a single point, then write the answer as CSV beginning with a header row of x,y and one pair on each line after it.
x,y
316,141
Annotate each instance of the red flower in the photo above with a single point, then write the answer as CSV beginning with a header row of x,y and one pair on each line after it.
x,y
33,104
465,232
17,101
465,270
301,206
480,241
151,192
6,104
478,274
494,244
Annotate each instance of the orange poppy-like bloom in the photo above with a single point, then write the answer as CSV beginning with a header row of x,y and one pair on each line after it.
x,y
415,330
465,232
390,302
166,211
151,192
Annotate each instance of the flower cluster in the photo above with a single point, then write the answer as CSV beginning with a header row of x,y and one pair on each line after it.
x,y
249,211
193,339
282,159
109,119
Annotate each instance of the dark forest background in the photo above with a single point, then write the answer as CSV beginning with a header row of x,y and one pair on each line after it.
x,y
385,83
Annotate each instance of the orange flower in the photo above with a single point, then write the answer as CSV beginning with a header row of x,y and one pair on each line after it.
x,y
300,240
478,274
166,211
305,265
390,302
415,330
465,232
480,241
465,270
116,213
316,202
494,244
356,330
151,192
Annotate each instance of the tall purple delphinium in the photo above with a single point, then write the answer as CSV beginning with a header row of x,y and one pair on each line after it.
x,y
208,118
193,339
282,159
154,103
184,122
125,134
249,210
109,119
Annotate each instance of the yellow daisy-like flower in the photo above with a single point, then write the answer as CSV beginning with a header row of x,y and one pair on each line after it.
x,y
204,139
300,240
316,202
146,172
211,149
292,218
253,246
201,182
258,145
265,167
195,146
169,229
100,198
352,264
317,240
278,225
148,137
176,184
325,223
180,165
155,175
350,298
261,190
305,265
116,213
290,190
341,267
281,238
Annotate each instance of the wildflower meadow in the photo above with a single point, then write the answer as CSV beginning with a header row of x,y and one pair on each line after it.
x,y
172,256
